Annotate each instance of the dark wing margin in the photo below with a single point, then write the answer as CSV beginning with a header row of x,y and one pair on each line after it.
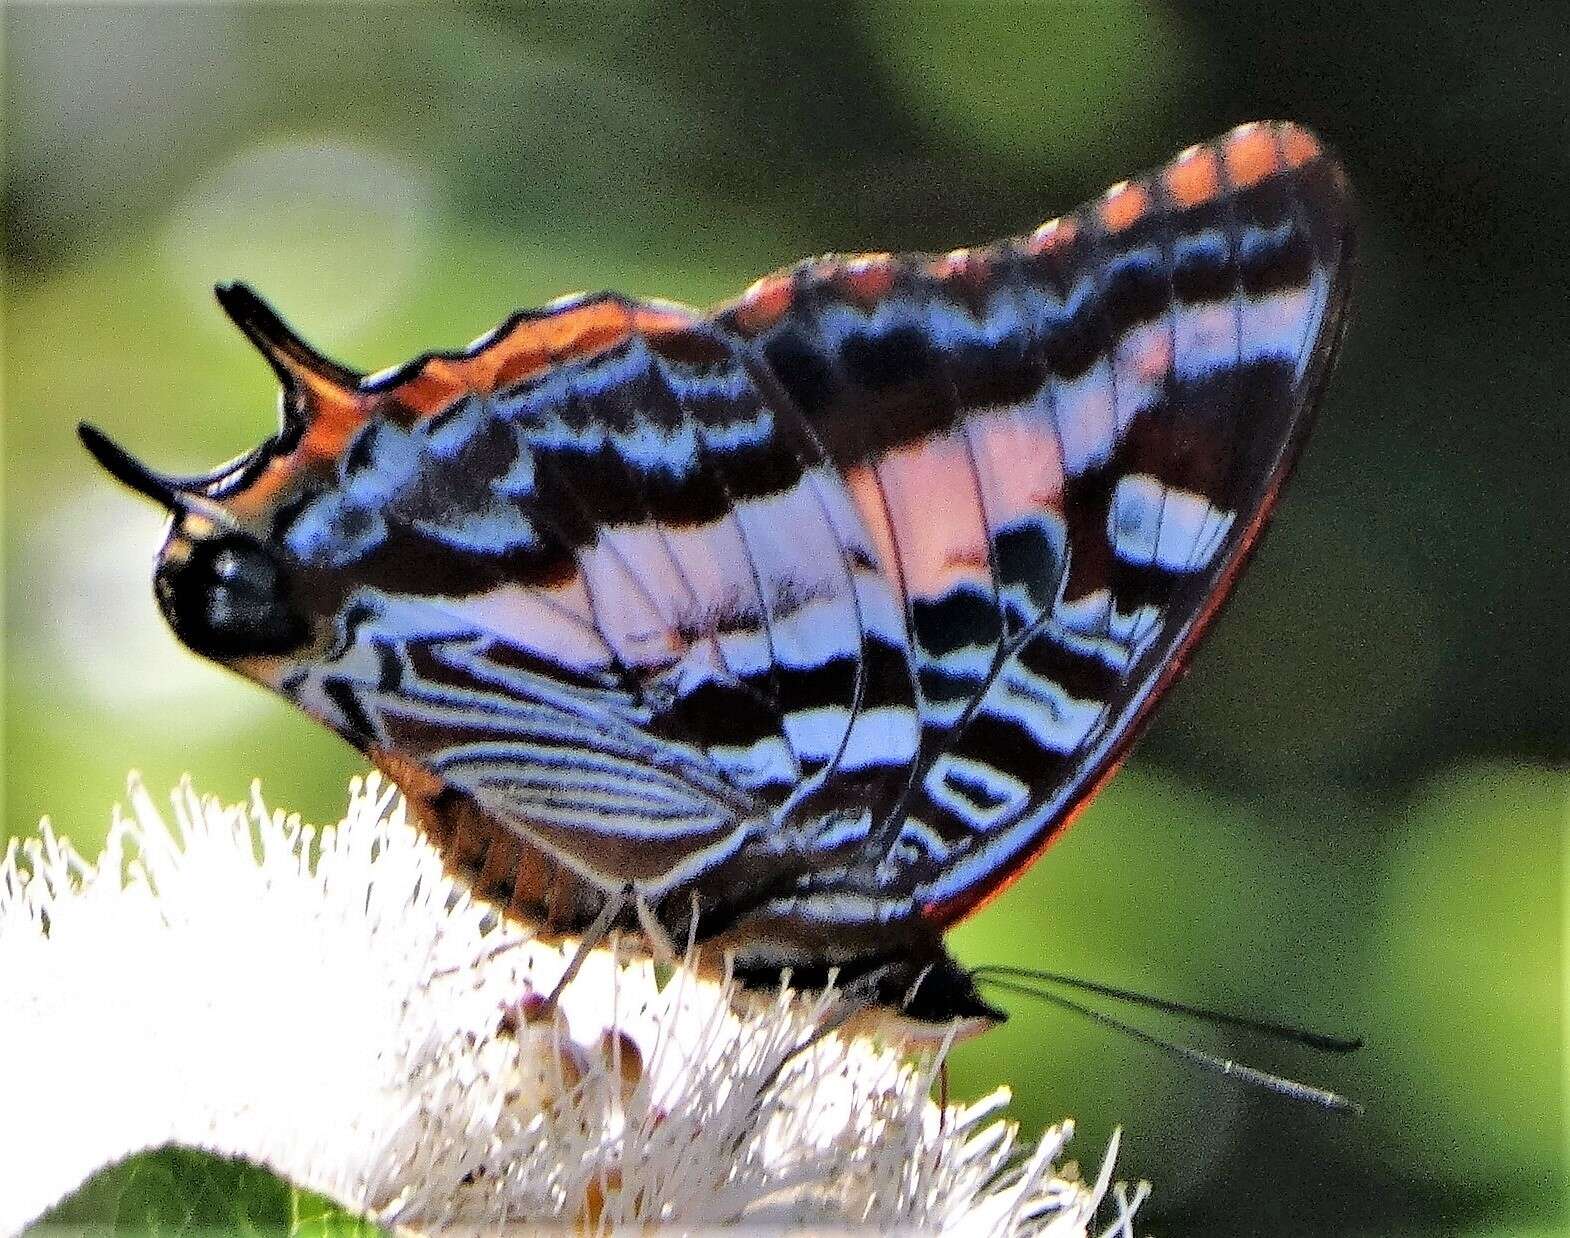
x,y
1131,384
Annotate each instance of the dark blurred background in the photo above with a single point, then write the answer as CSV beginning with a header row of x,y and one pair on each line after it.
x,y
1351,815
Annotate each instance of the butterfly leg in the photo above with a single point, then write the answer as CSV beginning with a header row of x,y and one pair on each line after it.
x,y
943,1101
660,944
615,904
857,996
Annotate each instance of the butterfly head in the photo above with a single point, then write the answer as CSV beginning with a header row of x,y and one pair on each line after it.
x,y
226,592
227,588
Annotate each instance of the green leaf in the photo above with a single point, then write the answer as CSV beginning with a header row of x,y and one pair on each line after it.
x,y
316,1216
178,1191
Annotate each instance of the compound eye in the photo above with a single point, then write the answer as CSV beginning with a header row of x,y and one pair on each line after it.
x,y
230,597
228,565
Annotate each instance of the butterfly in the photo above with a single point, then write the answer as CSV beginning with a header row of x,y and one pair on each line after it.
x,y
797,628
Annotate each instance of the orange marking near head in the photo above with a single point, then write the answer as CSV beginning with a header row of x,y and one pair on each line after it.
x,y
1052,235
334,411
330,432
1194,177
652,318
1124,205
765,303
1251,154
258,496
433,387
1300,145
530,346
573,333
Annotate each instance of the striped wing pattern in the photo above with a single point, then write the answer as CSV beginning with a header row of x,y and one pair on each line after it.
x,y
852,589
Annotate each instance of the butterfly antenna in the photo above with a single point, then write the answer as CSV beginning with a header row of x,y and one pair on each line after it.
x,y
128,470
1024,976
177,494
1279,1084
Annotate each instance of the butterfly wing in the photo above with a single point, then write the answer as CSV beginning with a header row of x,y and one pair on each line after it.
x,y
857,585
1064,449
498,537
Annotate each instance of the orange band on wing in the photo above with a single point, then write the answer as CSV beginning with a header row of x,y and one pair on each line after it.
x,y
867,278
1251,155
1300,145
763,304
1054,234
1124,206
1194,179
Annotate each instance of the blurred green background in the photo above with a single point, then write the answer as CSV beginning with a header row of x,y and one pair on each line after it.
x,y
1353,814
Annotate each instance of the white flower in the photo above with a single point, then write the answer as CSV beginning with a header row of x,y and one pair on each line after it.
x,y
331,1005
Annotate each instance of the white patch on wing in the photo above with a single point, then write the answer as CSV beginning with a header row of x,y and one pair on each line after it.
x,y
700,665
556,624
633,611
1092,625
882,611
1144,362
1041,706
1086,420
1149,523
1214,336
804,575
887,735
719,584
1206,338
816,733
945,711
746,650
815,633
651,448
1020,463
938,528
975,792
835,832
766,762
1280,326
